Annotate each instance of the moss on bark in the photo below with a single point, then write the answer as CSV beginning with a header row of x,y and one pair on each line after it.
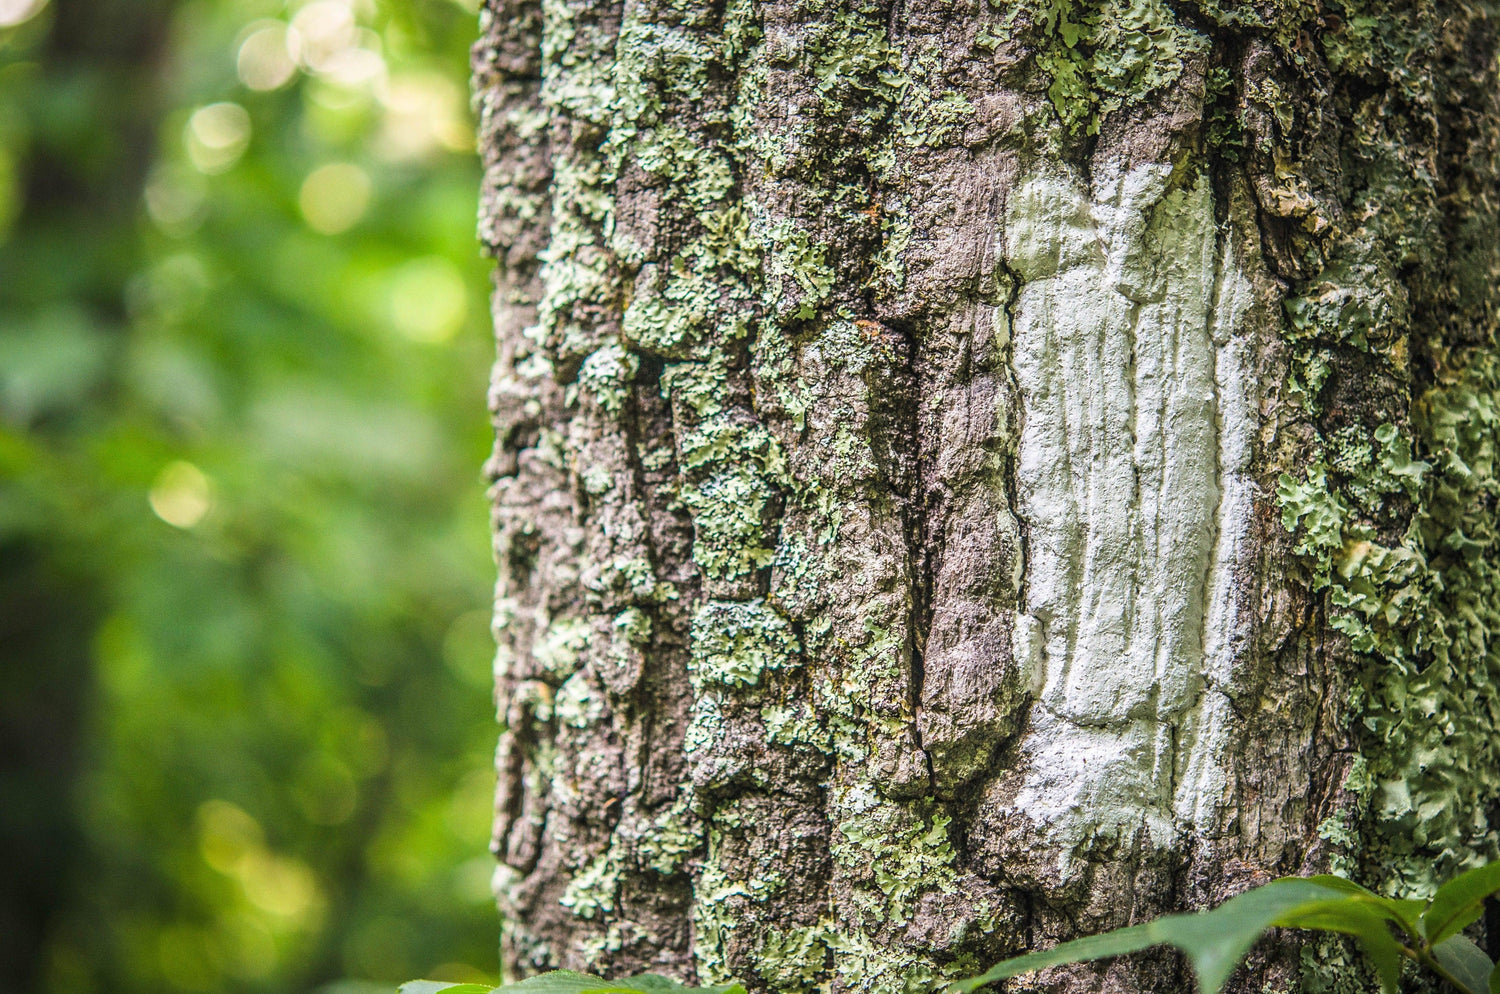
x,y
961,463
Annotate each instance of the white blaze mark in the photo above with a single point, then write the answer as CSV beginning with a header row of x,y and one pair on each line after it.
x,y
1137,419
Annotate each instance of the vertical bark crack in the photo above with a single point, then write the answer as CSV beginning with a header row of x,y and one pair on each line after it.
x,y
1015,423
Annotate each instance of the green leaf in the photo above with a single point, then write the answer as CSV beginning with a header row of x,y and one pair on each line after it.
x,y
1467,962
1406,914
1214,941
1364,920
650,983
1217,940
433,986
558,982
1459,902
1495,980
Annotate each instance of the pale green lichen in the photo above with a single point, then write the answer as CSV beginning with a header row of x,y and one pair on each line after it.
x,y
598,947
732,471
1350,303
576,704
729,518
557,649
735,643
712,920
676,835
795,255
864,963
597,480
794,959
633,579
905,847
795,724
635,625
607,374
1421,610
594,891
1316,514
1102,56
1330,965
1418,600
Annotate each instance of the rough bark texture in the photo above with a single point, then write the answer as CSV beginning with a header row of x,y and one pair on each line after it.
x,y
971,474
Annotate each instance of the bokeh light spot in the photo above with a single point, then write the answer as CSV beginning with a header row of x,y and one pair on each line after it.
x,y
175,199
226,832
321,31
428,300
181,496
359,65
471,880
13,12
425,112
281,885
217,135
265,61
248,945
334,197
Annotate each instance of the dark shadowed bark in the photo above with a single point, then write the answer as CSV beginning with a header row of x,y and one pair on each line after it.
x,y
969,475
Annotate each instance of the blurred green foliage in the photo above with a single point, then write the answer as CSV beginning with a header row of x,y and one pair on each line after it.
x,y
245,724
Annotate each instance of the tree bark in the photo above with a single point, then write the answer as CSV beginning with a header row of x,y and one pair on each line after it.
x,y
969,475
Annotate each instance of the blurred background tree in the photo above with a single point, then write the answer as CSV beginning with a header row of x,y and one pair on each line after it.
x,y
245,723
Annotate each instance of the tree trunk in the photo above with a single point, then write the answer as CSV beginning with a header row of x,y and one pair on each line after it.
x,y
973,475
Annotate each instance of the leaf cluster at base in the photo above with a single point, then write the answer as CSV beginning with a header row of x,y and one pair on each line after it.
x,y
1387,929
1215,941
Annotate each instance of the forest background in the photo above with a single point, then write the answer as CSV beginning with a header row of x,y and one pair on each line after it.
x,y
245,719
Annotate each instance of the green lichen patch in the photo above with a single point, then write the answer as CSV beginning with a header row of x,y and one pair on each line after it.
x,y
794,959
634,625
607,374
1353,303
863,962
1317,514
632,580
1421,610
733,472
558,647
593,892
735,643
795,724
1102,56
804,278
900,850
675,836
